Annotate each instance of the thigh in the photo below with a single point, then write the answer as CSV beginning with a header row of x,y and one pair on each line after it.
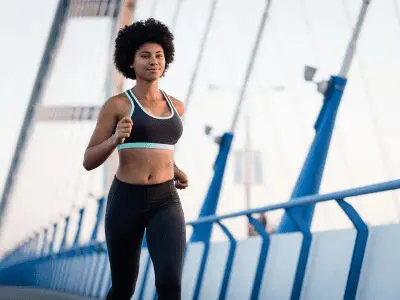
x,y
124,233
166,240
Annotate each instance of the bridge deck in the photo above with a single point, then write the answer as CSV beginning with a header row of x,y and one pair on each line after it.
x,y
28,293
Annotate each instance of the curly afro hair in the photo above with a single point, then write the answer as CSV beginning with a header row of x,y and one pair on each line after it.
x,y
131,37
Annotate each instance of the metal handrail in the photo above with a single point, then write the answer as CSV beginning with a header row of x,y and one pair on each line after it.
x,y
300,201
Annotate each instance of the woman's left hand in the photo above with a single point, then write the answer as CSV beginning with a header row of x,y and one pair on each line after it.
x,y
181,180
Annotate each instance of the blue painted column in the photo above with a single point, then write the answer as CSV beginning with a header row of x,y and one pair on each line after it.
x,y
309,180
202,232
310,177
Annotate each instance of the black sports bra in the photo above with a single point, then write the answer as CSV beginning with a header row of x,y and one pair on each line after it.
x,y
150,131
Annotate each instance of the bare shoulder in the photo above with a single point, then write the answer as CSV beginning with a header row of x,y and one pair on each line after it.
x,y
111,112
179,105
118,104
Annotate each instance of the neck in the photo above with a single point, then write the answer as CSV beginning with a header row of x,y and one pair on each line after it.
x,y
146,89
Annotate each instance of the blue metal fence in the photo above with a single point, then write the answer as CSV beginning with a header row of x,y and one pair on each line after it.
x,y
82,269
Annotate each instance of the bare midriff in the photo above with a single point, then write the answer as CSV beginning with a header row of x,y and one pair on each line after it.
x,y
145,166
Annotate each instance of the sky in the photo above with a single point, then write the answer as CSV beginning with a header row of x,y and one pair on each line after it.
x,y
281,105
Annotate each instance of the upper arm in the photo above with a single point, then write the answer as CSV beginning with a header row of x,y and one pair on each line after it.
x,y
179,106
106,122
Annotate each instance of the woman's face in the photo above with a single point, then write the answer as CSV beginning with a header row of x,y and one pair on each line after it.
x,y
149,62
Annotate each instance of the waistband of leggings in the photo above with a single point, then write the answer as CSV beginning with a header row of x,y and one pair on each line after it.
x,y
170,182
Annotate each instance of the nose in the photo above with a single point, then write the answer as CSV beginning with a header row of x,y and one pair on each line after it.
x,y
153,61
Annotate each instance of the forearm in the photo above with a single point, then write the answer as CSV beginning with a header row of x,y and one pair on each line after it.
x,y
96,155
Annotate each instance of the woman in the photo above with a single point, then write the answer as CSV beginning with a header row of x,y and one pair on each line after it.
x,y
144,123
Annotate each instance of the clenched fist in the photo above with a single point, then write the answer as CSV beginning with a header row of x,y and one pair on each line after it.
x,y
123,130
181,179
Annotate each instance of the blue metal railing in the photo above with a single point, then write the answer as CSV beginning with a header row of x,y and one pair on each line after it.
x,y
360,226
28,266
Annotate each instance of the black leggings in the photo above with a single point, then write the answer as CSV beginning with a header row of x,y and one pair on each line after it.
x,y
132,208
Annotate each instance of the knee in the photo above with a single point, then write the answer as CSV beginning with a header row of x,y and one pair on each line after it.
x,y
120,293
169,288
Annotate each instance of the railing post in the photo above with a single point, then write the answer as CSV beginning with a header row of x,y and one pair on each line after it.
x,y
64,238
99,218
78,231
360,245
101,281
203,228
229,261
65,277
51,246
60,268
303,255
259,228
44,245
91,267
34,248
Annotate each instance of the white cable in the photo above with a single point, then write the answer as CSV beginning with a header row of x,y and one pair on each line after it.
x,y
374,118
397,10
176,15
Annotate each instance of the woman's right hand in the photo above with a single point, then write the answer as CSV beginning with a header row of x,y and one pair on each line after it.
x,y
123,130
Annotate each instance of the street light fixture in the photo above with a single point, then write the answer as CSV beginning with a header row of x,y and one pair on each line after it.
x,y
309,73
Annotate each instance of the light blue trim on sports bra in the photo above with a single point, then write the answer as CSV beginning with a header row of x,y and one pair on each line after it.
x,y
146,145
